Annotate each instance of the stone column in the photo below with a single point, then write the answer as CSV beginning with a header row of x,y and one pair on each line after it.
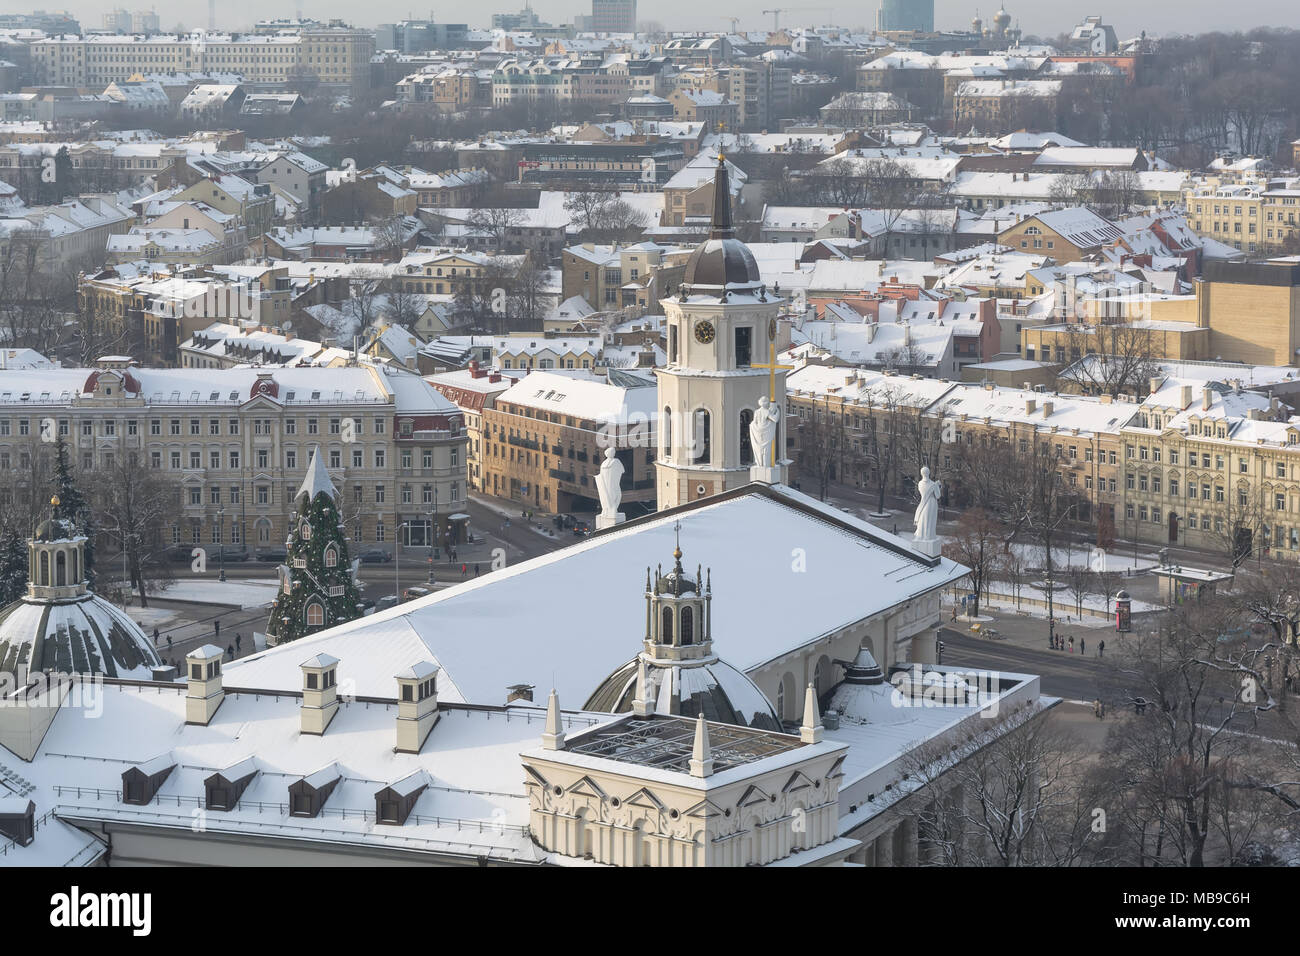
x,y
884,849
910,838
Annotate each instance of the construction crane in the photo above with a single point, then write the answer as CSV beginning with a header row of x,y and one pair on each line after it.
x,y
733,21
776,14
776,17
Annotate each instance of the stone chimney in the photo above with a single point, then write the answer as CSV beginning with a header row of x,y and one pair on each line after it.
x,y
1154,384
1207,398
417,706
1187,397
203,690
1030,405
1048,408
320,700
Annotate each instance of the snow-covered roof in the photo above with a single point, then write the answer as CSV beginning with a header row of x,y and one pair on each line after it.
x,y
486,634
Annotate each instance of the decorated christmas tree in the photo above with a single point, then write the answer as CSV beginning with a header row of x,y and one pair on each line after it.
x,y
73,507
317,586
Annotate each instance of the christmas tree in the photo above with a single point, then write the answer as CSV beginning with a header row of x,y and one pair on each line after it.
x,y
13,567
72,507
317,587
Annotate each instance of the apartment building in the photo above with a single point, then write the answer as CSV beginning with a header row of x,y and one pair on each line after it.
x,y
1250,216
238,442
545,438
1212,465
474,390
337,57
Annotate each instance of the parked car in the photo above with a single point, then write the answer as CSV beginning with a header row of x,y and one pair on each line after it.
x,y
272,554
385,602
227,553
375,556
410,594
366,606
180,553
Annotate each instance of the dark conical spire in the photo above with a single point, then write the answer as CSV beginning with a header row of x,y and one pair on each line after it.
x,y
721,227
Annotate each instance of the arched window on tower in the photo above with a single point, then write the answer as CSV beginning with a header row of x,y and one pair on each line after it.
x,y
666,626
668,432
701,437
60,569
746,449
688,626
45,568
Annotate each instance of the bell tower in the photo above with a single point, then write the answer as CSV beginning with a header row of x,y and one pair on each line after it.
x,y
722,331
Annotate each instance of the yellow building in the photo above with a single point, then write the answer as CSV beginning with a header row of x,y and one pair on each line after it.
x,y
544,441
1252,310
1246,215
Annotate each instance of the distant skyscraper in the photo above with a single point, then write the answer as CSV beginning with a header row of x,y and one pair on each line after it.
x,y
613,16
907,15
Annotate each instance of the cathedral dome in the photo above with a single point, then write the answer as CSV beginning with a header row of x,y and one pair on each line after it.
x,y
60,625
713,688
84,635
678,673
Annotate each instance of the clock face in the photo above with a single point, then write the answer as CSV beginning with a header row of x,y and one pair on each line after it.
x,y
704,332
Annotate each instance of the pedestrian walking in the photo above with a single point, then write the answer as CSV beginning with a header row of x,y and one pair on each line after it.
x,y
1071,643
1101,648
463,570
238,639
169,643
1082,649
954,613
1096,708
230,649
155,637
475,569
216,632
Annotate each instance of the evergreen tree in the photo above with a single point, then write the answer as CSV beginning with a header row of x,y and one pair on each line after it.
x,y
316,586
13,567
73,506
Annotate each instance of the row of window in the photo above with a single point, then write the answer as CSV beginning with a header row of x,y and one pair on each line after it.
x,y
108,427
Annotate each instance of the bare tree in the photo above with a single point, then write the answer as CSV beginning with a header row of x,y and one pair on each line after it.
x,y
498,223
976,543
1018,799
1186,775
826,450
134,503
1110,359
1079,579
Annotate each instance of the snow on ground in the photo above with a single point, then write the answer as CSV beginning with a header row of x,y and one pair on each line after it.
x,y
151,617
242,594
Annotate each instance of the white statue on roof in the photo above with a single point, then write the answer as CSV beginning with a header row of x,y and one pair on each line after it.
x,y
609,484
762,431
927,509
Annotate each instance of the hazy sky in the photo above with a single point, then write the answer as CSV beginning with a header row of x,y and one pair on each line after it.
x,y
1045,17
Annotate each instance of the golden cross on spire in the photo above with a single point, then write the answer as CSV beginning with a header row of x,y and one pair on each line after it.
x,y
722,128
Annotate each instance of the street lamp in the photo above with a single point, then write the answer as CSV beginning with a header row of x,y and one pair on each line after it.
x,y
433,533
397,562
221,539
